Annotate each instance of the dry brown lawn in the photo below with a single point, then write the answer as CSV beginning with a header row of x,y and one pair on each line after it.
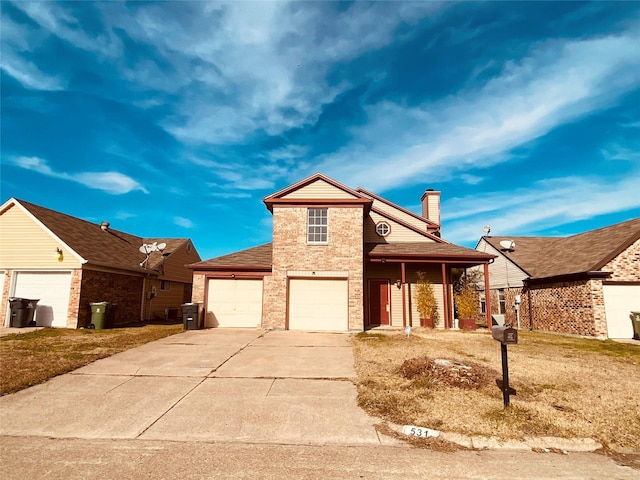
x,y
30,358
566,387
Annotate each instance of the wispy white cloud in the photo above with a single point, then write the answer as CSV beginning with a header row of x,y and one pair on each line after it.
x,y
111,182
183,222
529,211
57,20
28,74
258,66
114,183
559,82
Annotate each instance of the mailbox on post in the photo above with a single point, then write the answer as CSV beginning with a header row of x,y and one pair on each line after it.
x,y
506,335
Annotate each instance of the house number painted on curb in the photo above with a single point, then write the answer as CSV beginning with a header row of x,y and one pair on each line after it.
x,y
419,431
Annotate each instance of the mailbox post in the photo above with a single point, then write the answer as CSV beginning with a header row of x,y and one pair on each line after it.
x,y
506,336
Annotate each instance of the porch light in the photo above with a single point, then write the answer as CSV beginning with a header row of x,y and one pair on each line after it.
x,y
58,254
399,283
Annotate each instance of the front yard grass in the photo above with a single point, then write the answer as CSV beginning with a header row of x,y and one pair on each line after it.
x,y
566,387
27,359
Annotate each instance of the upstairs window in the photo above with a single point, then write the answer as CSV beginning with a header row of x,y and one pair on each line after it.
x,y
317,226
383,229
165,285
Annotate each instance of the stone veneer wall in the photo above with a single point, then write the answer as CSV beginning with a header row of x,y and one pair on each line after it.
x,y
344,252
123,290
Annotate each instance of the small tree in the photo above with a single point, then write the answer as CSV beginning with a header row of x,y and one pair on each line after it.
x,y
426,300
467,299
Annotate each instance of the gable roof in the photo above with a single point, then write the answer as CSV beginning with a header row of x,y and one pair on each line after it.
x,y
420,218
542,257
354,197
256,258
95,246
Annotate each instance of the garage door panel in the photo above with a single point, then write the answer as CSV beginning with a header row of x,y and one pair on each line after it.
x,y
52,289
234,303
318,304
619,302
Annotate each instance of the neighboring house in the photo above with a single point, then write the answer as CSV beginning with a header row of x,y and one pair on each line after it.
x,y
586,284
340,260
68,263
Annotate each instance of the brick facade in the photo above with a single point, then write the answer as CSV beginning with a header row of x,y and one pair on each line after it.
x,y
343,253
74,309
626,266
123,290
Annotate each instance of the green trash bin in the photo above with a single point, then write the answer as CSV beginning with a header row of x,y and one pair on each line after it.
x,y
635,318
99,312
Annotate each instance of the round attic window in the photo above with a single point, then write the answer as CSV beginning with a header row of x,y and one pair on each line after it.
x,y
383,229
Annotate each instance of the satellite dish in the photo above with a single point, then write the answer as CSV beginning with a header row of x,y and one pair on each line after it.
x,y
161,246
509,245
487,229
143,249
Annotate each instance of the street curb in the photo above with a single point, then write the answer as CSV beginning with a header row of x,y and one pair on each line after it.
x,y
544,444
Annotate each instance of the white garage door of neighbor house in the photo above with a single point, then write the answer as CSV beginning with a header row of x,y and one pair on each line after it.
x,y
52,289
619,302
318,304
234,303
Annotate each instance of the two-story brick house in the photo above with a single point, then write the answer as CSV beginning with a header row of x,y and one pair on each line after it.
x,y
340,260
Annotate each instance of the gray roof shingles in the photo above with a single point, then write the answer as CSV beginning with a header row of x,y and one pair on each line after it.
x,y
111,248
542,257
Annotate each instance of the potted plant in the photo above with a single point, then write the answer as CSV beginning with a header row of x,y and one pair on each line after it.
x,y
426,302
467,301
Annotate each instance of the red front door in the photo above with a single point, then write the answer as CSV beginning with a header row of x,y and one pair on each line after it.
x,y
379,306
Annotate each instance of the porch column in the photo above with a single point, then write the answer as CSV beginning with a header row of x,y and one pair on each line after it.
x,y
403,280
445,296
487,296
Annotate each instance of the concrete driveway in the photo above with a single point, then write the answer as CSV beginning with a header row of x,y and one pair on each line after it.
x,y
217,385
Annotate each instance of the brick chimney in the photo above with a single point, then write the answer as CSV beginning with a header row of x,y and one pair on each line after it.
x,y
431,209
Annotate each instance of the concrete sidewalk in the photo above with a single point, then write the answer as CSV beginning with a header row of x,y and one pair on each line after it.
x,y
212,385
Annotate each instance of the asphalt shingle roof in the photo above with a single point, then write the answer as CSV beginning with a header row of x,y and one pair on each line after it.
x,y
260,257
111,248
542,257
424,249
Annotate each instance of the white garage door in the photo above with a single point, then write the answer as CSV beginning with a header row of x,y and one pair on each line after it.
x,y
234,303
619,302
52,289
318,304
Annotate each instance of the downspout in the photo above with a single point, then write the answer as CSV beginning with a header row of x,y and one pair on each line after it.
x,y
530,308
144,285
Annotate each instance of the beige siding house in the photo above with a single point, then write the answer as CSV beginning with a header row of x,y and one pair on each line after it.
x,y
340,260
67,263
586,284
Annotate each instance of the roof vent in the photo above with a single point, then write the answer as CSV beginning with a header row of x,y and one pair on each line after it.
x,y
104,226
508,245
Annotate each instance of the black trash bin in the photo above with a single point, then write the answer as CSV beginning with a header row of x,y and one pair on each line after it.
x,y
22,311
191,316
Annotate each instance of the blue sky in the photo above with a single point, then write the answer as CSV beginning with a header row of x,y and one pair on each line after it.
x,y
175,119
